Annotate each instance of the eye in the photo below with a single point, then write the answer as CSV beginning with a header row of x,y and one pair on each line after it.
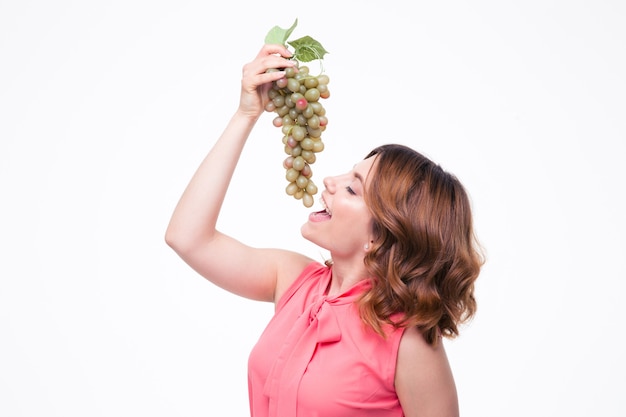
x,y
350,190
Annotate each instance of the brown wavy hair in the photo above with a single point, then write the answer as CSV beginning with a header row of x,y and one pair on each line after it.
x,y
425,257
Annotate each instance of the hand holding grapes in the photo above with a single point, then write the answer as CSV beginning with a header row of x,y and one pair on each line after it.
x,y
257,79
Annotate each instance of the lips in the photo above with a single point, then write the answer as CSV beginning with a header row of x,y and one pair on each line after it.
x,y
319,216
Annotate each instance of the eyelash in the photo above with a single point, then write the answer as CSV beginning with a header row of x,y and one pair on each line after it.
x,y
350,190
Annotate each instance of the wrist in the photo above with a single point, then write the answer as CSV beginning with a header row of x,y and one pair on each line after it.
x,y
250,116
244,121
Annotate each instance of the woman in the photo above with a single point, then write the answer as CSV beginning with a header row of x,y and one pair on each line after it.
x,y
361,335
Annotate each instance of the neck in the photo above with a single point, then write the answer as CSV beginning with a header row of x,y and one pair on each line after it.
x,y
344,276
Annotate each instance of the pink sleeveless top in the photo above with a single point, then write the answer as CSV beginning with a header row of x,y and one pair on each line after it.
x,y
317,358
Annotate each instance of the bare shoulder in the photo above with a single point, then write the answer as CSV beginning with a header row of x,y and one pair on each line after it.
x,y
424,381
288,270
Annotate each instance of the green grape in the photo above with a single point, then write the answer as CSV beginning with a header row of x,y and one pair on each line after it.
x,y
323,79
282,83
298,132
311,82
307,199
279,101
283,110
302,182
287,120
270,106
312,94
308,156
296,96
291,175
307,144
293,85
291,188
311,188
318,146
314,133
313,121
298,163
296,151
290,72
302,121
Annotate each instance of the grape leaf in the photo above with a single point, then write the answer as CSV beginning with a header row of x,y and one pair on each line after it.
x,y
278,35
308,49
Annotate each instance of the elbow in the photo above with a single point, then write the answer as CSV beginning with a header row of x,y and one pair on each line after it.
x,y
179,245
184,242
169,240
174,240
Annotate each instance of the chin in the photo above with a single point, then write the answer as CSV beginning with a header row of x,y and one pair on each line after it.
x,y
308,234
304,231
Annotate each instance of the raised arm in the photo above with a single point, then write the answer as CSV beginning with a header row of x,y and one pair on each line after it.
x,y
260,274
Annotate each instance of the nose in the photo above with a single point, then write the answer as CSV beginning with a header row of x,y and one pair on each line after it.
x,y
329,183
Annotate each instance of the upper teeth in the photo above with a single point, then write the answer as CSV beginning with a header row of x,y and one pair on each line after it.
x,y
325,206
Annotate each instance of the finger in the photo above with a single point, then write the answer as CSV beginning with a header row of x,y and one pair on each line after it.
x,y
271,76
250,83
275,61
273,49
263,64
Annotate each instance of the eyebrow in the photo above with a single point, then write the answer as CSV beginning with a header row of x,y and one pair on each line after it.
x,y
357,175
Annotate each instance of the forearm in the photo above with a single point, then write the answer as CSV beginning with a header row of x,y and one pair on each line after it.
x,y
195,216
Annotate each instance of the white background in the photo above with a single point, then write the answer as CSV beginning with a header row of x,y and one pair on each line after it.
x,y
107,107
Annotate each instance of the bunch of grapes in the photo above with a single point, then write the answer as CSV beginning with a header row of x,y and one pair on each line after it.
x,y
299,113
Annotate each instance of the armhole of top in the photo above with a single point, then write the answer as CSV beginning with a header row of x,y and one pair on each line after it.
x,y
394,338
297,283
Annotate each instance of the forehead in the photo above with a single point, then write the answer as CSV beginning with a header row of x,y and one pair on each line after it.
x,y
363,168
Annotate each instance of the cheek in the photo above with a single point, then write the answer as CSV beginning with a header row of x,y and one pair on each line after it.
x,y
358,221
